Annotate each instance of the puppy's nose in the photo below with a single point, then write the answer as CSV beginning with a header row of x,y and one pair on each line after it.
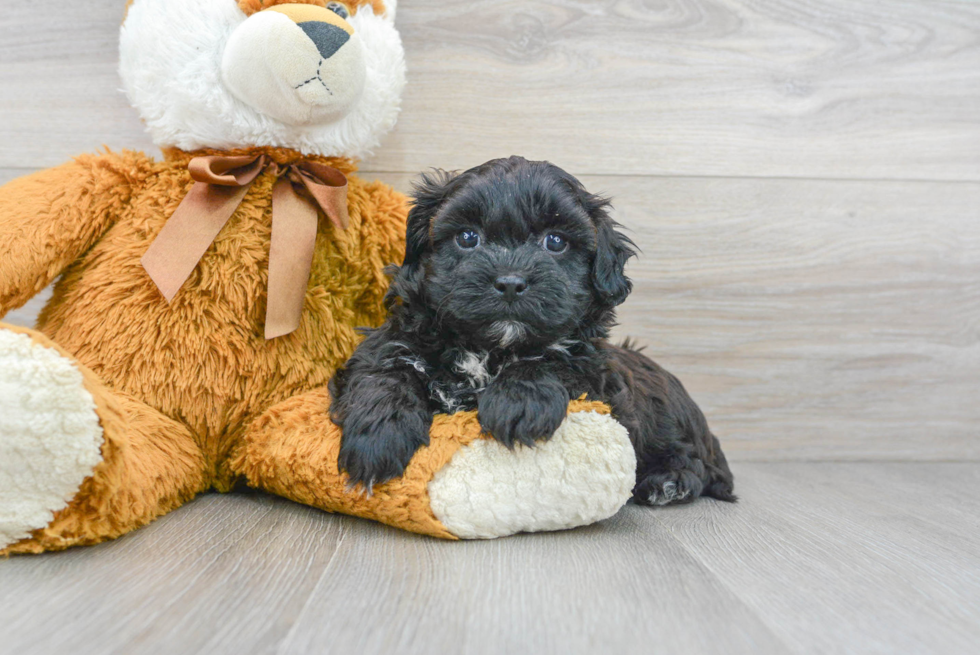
x,y
510,286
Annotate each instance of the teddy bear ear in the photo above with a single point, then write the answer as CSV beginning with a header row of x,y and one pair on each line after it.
x,y
391,7
385,8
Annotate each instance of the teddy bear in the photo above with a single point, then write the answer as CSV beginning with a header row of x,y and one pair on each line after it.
x,y
202,301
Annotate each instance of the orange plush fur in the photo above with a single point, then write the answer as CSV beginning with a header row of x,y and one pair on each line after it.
x,y
168,379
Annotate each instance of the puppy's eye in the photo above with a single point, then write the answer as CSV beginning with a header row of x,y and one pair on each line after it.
x,y
468,239
555,243
339,8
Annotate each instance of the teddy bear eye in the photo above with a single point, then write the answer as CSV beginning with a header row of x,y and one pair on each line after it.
x,y
467,239
339,9
555,243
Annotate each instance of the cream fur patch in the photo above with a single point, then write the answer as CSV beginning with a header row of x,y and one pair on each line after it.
x,y
171,54
50,436
583,474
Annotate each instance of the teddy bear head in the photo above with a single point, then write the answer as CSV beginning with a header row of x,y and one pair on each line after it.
x,y
321,77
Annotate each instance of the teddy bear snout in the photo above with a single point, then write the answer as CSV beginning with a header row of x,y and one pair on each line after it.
x,y
297,64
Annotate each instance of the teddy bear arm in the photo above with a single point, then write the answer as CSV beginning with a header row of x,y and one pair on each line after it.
x,y
384,213
50,218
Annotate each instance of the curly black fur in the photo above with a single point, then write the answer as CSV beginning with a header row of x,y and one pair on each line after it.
x,y
515,330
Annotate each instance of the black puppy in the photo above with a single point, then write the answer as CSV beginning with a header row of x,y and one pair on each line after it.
x,y
503,304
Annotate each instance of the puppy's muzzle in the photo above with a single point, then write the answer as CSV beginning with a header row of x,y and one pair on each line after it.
x,y
299,64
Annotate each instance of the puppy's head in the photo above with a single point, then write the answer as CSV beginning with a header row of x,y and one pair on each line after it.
x,y
513,253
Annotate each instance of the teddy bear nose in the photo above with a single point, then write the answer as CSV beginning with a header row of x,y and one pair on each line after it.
x,y
510,286
327,38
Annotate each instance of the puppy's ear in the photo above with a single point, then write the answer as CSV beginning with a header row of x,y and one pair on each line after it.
x,y
429,193
613,249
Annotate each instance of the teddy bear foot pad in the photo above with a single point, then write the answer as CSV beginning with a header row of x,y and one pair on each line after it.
x,y
50,435
488,491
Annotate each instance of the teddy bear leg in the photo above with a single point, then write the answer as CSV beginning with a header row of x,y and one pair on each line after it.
x,y
80,463
461,485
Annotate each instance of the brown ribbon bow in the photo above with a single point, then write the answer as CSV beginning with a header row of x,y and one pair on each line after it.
x,y
220,186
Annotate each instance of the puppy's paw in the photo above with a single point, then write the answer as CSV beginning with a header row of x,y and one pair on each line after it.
x,y
521,411
670,487
375,448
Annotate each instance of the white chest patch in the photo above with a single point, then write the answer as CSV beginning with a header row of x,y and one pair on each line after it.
x,y
474,368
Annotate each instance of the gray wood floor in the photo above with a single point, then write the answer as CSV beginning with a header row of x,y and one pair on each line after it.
x,y
816,558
